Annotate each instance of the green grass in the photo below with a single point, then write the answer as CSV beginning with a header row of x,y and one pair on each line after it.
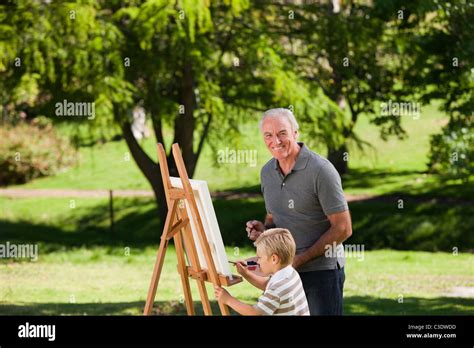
x,y
83,268
107,281
103,166
81,260
397,155
380,182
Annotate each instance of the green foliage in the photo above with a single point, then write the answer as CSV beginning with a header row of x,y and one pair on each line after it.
x,y
439,66
63,50
452,151
350,55
440,56
28,151
77,50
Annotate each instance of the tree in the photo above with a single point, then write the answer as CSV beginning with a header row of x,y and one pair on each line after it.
x,y
442,57
195,65
201,67
352,54
365,54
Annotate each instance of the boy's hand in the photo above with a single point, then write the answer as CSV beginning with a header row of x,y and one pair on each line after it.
x,y
254,229
242,268
221,294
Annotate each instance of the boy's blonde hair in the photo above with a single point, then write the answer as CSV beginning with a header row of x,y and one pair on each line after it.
x,y
278,241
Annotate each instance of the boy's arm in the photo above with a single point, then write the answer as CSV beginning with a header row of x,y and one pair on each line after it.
x,y
257,281
240,307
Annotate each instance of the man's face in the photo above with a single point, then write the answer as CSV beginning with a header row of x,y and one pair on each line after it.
x,y
279,137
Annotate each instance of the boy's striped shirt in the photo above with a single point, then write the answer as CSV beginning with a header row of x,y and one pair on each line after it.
x,y
284,294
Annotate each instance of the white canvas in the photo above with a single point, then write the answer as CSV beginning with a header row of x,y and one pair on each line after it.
x,y
209,222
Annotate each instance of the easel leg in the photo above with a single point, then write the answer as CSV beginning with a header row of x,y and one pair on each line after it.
x,y
159,260
206,305
156,277
189,243
178,242
190,248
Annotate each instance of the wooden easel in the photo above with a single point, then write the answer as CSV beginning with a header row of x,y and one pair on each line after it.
x,y
177,226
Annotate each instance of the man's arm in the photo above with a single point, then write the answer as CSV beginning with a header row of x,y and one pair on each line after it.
x,y
340,230
269,221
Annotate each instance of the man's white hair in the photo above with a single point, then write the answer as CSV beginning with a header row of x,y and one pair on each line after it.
x,y
280,112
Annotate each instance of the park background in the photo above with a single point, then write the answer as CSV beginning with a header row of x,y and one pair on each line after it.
x,y
201,73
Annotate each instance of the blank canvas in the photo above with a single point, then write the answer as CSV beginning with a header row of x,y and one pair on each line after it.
x,y
210,225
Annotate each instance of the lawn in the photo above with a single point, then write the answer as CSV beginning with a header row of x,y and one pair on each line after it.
x,y
114,281
84,266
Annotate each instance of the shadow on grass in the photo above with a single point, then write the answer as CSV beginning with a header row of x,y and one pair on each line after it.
x,y
116,308
355,305
423,223
417,185
403,183
368,178
377,223
366,305
52,238
246,189
417,225
136,225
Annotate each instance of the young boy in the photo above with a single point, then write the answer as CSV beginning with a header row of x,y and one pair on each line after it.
x,y
283,290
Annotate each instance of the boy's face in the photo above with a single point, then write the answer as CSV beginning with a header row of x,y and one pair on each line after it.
x,y
268,264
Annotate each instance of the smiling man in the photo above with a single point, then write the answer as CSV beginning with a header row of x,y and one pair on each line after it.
x,y
303,193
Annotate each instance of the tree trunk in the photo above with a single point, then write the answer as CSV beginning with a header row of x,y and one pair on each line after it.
x,y
149,168
185,122
183,134
339,158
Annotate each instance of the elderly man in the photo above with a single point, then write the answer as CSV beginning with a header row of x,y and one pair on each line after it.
x,y
303,194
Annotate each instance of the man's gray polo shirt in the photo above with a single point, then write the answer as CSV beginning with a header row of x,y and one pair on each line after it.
x,y
302,200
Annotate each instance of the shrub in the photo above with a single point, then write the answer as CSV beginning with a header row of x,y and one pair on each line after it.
x,y
452,150
31,150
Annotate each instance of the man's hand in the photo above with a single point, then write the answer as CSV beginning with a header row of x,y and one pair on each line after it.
x,y
221,294
340,230
254,228
298,261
